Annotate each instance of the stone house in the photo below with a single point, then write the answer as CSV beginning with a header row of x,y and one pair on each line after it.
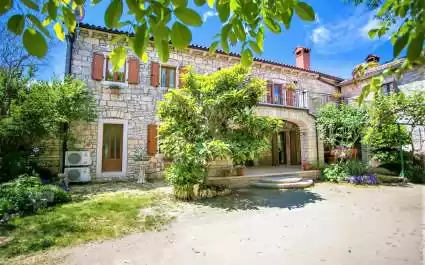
x,y
412,80
127,102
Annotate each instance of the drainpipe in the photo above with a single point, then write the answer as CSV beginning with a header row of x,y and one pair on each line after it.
x,y
70,38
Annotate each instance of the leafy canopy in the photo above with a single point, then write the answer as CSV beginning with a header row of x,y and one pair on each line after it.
x,y
243,22
341,125
212,117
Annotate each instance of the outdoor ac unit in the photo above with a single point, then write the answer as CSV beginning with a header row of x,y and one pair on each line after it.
x,y
77,158
78,174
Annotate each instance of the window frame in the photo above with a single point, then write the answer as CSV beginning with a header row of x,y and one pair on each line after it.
x,y
168,70
115,74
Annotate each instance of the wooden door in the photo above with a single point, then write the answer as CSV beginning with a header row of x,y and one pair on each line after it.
x,y
112,147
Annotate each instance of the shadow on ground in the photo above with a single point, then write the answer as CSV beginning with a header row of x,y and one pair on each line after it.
x,y
253,199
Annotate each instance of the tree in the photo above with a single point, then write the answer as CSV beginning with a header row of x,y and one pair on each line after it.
x,y
37,111
341,125
382,133
404,20
212,117
243,22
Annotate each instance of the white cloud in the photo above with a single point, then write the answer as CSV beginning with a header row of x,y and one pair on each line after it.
x,y
345,34
209,14
321,35
371,24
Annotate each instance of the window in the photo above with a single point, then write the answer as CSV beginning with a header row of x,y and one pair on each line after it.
x,y
114,76
388,88
277,94
168,76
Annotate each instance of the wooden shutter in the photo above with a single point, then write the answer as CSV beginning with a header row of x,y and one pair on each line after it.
x,y
97,66
152,139
289,97
155,74
269,92
133,71
182,70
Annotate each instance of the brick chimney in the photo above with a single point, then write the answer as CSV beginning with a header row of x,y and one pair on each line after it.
x,y
372,58
302,57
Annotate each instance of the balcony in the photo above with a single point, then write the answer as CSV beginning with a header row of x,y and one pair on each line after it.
x,y
300,99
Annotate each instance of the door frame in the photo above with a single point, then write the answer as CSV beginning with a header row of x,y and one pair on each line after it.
x,y
123,172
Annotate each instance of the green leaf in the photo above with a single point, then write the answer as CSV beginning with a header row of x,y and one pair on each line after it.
x,y
135,8
415,47
30,4
140,41
211,3
372,33
199,2
95,2
232,37
223,9
179,3
16,24
246,58
272,25
287,17
239,30
113,14
52,9
163,50
118,57
305,11
234,5
5,5
181,36
69,19
224,44
213,47
79,2
34,43
39,25
255,47
59,31
260,39
188,16
400,44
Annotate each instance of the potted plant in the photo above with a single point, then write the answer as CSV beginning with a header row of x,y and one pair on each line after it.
x,y
114,89
239,160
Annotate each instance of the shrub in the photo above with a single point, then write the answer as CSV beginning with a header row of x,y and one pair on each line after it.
x,y
354,167
416,174
334,173
26,194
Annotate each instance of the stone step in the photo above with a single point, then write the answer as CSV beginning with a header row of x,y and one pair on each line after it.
x,y
304,183
286,179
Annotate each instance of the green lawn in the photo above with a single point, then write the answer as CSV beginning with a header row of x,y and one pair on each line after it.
x,y
99,216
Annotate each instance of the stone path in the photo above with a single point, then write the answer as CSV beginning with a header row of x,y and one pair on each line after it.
x,y
327,224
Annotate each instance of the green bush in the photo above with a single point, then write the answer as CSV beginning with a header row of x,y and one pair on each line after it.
x,y
416,174
334,173
26,194
354,167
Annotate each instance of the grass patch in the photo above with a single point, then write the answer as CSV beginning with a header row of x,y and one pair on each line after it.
x,y
101,216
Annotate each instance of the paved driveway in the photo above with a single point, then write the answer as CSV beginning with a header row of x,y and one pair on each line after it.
x,y
327,224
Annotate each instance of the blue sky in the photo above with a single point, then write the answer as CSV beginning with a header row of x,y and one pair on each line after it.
x,y
338,39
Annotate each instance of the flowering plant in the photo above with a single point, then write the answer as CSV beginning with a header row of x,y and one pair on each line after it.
x,y
363,180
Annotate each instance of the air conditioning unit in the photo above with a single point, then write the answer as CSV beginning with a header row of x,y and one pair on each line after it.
x,y
77,174
77,158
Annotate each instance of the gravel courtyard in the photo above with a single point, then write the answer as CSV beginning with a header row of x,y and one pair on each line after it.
x,y
327,224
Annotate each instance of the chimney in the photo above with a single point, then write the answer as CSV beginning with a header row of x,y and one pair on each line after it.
x,y
372,58
302,57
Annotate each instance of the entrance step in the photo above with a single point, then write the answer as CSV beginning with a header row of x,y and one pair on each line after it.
x,y
286,179
300,184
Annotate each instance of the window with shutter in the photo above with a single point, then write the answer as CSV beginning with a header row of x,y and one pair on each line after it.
x,y
152,139
155,74
110,75
269,91
133,71
97,66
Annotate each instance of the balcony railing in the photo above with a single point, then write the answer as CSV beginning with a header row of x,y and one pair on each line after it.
x,y
298,99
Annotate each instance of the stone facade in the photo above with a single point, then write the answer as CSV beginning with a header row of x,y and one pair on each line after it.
x,y
136,105
412,80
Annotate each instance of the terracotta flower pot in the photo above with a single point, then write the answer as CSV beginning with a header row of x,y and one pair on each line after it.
x,y
240,171
114,91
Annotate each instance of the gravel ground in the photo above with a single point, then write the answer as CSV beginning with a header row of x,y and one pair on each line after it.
x,y
327,224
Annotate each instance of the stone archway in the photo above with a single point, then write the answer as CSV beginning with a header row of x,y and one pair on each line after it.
x,y
311,147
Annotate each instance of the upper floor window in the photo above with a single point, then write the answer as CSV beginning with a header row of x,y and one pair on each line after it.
x,y
168,76
388,88
110,75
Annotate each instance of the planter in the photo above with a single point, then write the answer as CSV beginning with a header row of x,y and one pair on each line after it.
x,y
306,166
114,91
240,171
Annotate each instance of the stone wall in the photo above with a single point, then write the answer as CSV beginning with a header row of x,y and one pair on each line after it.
x,y
137,104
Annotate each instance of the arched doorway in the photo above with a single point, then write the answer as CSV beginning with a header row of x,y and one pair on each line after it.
x,y
286,145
